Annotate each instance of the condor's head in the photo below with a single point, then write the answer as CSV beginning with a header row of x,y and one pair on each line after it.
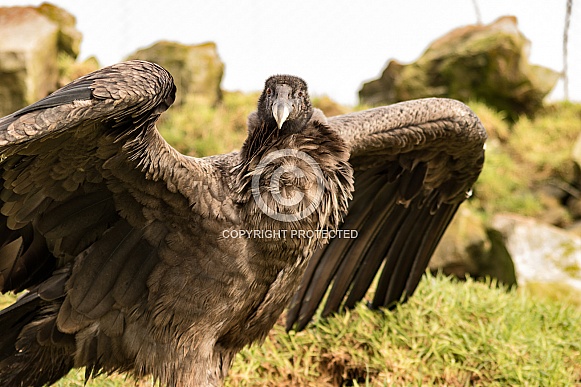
x,y
284,108
285,104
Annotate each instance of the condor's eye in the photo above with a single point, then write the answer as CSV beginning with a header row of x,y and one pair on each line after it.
x,y
268,91
300,94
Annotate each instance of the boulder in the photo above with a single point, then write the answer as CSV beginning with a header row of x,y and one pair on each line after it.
x,y
69,38
197,69
469,248
30,43
478,62
541,253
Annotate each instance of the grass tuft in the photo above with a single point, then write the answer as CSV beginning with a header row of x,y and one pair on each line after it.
x,y
449,333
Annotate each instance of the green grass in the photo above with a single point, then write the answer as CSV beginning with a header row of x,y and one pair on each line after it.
x,y
449,333
197,129
527,159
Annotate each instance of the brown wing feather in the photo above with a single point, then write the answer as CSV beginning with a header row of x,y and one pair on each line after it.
x,y
95,198
414,164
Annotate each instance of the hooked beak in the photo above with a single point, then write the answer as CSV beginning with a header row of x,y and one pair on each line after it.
x,y
281,109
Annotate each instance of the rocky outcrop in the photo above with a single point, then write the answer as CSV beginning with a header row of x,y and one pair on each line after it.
x,y
197,69
479,62
513,249
469,248
69,38
31,39
541,253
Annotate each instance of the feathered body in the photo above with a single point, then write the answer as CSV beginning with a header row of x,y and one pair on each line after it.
x,y
200,299
131,252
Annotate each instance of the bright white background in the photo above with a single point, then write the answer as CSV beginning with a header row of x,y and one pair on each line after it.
x,y
335,45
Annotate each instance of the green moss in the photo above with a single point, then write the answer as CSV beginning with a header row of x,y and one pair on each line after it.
x,y
546,142
195,128
528,159
565,258
488,63
496,123
553,291
504,185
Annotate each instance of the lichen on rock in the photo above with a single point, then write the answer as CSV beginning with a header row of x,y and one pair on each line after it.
x,y
488,63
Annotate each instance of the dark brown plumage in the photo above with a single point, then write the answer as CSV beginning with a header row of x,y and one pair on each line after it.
x,y
127,247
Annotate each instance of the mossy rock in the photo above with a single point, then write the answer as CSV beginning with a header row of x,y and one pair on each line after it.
x,y
541,253
469,248
69,38
28,57
197,69
485,63
530,166
31,41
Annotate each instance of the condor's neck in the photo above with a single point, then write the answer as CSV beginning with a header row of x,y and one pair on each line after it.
x,y
312,165
264,134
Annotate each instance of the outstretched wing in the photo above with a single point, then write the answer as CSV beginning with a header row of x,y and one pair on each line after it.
x,y
415,163
87,178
